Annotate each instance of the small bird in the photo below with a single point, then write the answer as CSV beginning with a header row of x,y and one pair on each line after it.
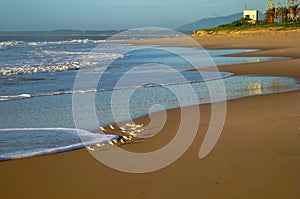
x,y
115,141
111,126
103,129
132,133
128,137
100,145
139,125
139,130
90,148
110,142
122,141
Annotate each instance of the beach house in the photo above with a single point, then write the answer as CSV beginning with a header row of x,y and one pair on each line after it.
x,y
251,15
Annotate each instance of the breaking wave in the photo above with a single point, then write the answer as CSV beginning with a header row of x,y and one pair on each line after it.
x,y
75,65
15,97
7,71
41,43
29,142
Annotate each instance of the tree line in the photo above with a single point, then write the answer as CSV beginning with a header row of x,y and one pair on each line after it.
x,y
285,14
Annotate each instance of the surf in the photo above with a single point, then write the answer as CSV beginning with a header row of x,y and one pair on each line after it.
x,y
28,142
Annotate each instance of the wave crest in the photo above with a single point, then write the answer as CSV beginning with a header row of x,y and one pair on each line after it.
x,y
47,141
41,43
39,69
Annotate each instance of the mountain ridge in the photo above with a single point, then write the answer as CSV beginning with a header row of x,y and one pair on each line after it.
x,y
214,22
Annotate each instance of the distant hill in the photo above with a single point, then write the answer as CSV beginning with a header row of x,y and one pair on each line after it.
x,y
214,22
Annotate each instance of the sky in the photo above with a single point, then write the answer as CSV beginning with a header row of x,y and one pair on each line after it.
x,y
20,15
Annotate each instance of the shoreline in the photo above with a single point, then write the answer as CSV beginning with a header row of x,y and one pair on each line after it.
x,y
257,155
283,46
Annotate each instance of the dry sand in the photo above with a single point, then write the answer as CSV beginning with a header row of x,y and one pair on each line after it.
x,y
257,155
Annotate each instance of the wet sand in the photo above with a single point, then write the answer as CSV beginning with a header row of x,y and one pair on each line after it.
x,y
257,155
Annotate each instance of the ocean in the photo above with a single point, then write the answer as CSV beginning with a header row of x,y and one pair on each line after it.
x,y
49,86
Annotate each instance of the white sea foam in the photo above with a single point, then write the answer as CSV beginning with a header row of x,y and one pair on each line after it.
x,y
39,69
75,41
72,61
82,55
10,43
15,97
42,43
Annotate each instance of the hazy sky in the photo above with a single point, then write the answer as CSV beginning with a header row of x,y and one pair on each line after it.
x,y
113,14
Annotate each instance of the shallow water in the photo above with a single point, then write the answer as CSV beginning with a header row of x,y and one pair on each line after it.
x,y
21,143
40,80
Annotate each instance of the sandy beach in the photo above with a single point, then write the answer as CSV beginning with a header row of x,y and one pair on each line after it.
x,y
257,155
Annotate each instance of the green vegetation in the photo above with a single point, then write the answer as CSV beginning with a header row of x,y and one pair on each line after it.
x,y
243,24
285,14
288,18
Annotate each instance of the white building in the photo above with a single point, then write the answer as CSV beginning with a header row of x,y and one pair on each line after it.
x,y
251,15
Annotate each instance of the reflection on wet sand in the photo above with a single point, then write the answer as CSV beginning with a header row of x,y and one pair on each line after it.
x,y
277,84
255,87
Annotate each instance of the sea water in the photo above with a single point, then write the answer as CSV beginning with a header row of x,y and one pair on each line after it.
x,y
37,92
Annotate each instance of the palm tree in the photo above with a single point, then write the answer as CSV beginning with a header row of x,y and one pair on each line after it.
x,y
285,15
297,12
294,12
270,15
280,13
